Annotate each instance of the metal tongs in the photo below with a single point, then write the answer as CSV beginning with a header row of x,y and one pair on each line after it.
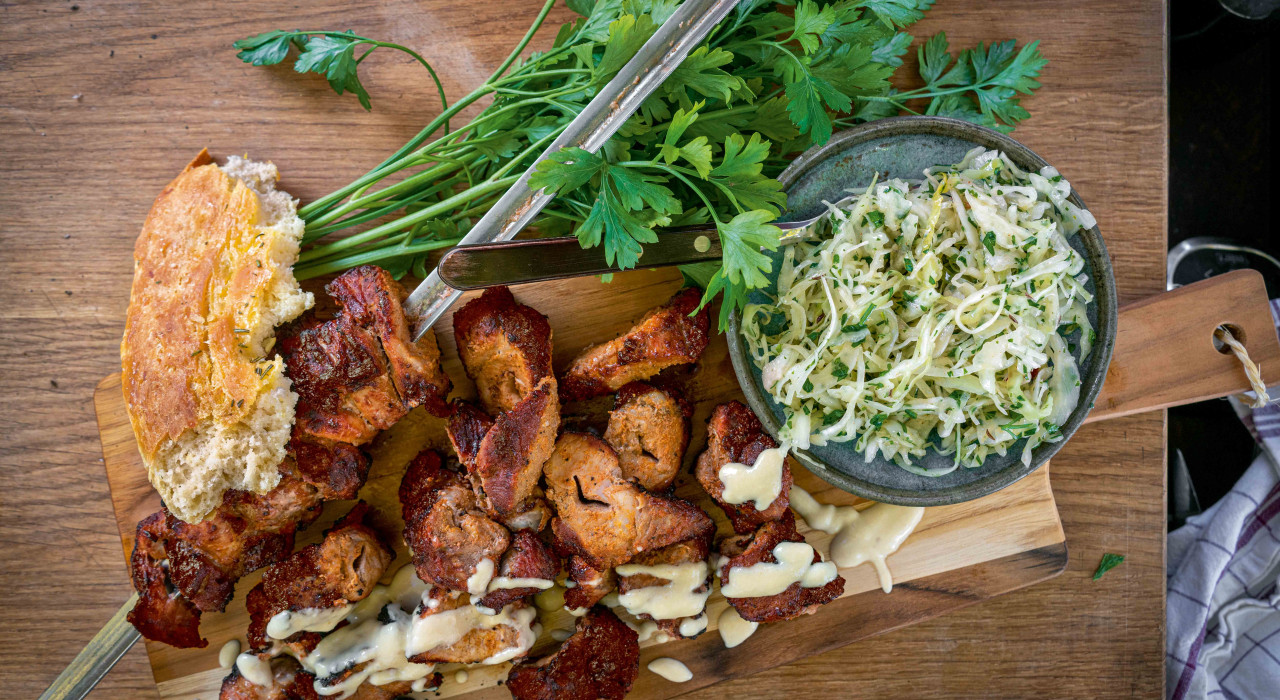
x,y
604,115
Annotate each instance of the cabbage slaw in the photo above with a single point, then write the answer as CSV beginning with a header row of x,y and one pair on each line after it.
x,y
934,314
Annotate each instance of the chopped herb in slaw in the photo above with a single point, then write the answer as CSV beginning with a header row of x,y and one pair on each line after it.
x,y
940,314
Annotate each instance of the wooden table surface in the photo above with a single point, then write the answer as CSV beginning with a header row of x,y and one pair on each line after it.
x,y
101,103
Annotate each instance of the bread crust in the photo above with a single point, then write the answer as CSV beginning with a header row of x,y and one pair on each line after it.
x,y
211,279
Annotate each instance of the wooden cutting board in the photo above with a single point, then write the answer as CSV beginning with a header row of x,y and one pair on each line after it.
x,y
959,554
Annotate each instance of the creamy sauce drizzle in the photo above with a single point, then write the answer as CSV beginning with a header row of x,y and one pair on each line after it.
x,y
679,597
384,647
228,653
460,676
505,582
478,583
693,626
860,536
671,670
448,627
760,482
286,623
646,630
254,668
794,565
733,629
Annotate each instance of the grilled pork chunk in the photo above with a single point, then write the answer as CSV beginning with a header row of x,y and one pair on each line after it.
x,y
687,552
341,569
599,662
603,517
734,434
649,429
290,682
181,569
590,584
505,348
507,635
746,550
526,558
448,533
360,373
666,336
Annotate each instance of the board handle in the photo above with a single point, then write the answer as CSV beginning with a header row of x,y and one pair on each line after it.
x,y
1165,354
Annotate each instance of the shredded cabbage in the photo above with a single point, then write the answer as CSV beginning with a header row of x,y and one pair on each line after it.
x,y
935,314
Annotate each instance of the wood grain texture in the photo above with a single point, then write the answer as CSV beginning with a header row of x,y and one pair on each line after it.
x,y
1165,353
79,173
1013,536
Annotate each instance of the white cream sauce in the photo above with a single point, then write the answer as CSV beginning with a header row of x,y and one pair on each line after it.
x,y
501,583
646,630
228,653
794,565
461,676
760,482
384,647
255,669
869,535
670,669
679,597
693,626
286,623
733,629
448,627
478,582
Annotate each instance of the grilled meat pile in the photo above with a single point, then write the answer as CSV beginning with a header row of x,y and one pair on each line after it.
x,y
488,527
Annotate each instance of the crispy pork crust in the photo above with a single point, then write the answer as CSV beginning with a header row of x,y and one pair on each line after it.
x,y
505,348
359,373
527,557
341,569
180,569
161,613
664,337
604,518
745,550
734,434
447,532
649,429
599,662
590,584
374,301
504,457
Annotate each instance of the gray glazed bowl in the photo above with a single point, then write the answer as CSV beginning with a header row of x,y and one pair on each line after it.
x,y
903,147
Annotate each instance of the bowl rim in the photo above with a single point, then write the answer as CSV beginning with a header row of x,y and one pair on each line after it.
x,y
1090,384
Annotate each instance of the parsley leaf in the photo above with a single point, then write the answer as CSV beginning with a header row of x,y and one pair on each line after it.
x,y
741,240
897,13
1109,562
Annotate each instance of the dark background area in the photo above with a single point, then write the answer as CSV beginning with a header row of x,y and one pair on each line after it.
x,y
1223,181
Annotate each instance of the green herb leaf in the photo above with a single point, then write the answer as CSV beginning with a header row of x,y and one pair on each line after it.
x,y
266,49
1109,562
897,13
741,240
989,242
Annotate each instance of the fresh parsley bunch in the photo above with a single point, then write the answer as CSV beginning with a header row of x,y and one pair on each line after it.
x,y
772,79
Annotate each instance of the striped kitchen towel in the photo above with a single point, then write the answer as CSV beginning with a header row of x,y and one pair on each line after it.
x,y
1223,609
